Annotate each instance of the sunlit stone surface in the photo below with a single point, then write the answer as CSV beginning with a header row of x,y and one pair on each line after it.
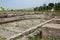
x,y
9,29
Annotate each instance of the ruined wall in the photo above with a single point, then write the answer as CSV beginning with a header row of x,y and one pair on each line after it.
x,y
50,32
13,16
9,14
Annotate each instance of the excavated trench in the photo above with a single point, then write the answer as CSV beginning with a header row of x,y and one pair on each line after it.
x,y
13,23
10,29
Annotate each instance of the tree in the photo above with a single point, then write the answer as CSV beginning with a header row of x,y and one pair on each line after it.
x,y
57,6
44,6
11,9
51,5
40,8
36,9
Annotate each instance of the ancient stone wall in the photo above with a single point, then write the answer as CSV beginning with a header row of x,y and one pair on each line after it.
x,y
9,14
13,16
51,32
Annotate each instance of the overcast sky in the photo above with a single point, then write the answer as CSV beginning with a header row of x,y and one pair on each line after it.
x,y
20,4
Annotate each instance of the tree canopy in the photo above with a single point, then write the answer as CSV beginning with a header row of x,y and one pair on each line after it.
x,y
50,6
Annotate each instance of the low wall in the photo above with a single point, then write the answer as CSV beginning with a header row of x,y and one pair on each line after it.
x,y
14,16
18,18
11,14
51,32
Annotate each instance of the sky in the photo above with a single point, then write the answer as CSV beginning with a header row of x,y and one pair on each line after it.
x,y
22,4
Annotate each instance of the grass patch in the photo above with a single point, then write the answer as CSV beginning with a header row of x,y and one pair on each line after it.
x,y
2,38
35,37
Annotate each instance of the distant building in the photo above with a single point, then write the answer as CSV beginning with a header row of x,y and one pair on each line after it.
x,y
52,9
1,9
